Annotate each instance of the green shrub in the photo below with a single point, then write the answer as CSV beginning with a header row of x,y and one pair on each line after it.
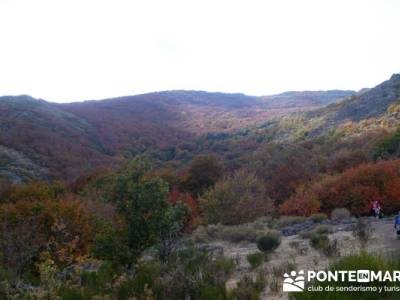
x,y
322,243
255,259
236,199
111,245
318,218
268,242
340,213
318,240
147,277
387,146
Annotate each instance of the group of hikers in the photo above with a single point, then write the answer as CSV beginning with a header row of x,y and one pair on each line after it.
x,y
376,211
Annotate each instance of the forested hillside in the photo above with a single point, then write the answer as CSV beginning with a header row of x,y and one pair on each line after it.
x,y
62,141
377,105
40,140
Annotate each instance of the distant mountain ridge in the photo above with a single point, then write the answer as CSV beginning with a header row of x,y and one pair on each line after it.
x,y
310,98
40,139
199,111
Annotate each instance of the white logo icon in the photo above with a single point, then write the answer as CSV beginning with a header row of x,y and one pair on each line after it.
x,y
293,282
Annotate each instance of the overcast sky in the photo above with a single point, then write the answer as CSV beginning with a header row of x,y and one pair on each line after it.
x,y
75,50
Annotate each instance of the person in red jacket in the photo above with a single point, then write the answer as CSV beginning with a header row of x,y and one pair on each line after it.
x,y
376,209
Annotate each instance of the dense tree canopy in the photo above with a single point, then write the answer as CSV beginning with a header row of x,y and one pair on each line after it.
x,y
236,199
203,172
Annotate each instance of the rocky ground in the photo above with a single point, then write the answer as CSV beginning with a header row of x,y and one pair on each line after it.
x,y
296,253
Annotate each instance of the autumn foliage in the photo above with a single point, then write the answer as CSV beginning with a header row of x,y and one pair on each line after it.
x,y
304,203
354,189
61,228
177,196
236,199
203,173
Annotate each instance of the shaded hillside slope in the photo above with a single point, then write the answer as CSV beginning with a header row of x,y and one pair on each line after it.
x,y
371,103
56,143
373,108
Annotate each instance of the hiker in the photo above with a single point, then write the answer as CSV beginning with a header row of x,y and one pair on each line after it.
x,y
376,209
397,225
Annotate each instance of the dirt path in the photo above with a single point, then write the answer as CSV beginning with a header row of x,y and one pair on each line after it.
x,y
297,253
385,239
